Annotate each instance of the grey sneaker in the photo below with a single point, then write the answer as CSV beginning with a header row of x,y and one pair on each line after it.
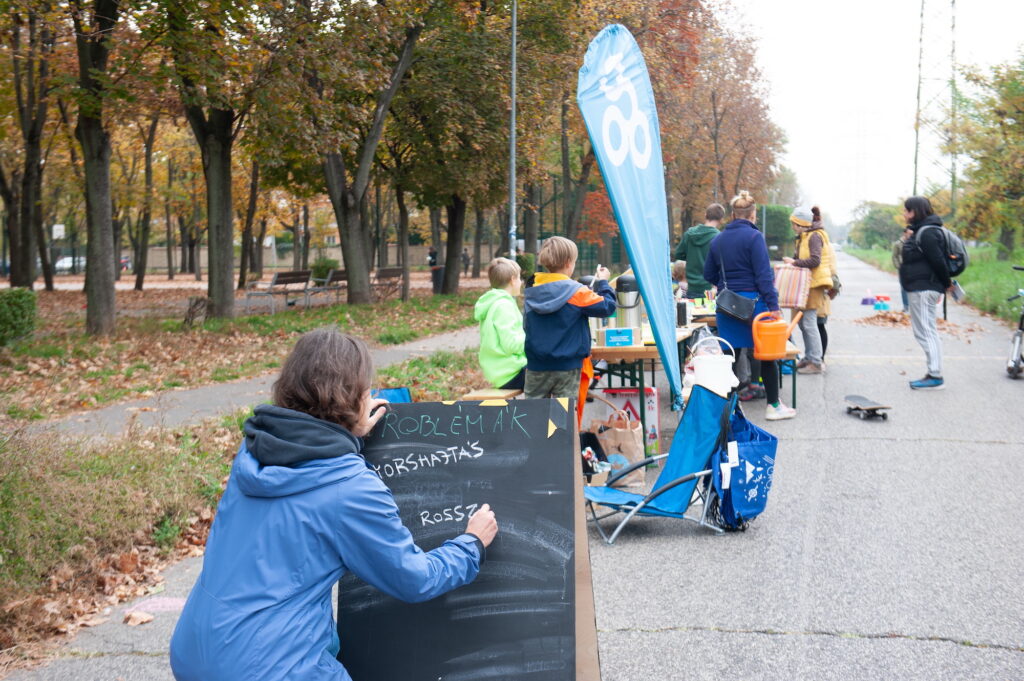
x,y
811,368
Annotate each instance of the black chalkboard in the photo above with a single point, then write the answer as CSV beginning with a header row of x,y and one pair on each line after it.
x,y
517,619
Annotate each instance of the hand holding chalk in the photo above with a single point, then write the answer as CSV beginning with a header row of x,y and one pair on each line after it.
x,y
602,273
483,525
373,411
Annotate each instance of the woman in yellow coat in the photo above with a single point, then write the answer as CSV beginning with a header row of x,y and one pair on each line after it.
x,y
813,251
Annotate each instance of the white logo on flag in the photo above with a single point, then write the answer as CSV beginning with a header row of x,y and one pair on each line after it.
x,y
627,126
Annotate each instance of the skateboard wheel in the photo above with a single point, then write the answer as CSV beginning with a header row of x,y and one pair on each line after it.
x,y
849,410
862,415
885,417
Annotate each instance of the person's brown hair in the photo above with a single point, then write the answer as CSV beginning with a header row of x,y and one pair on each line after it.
x,y
816,212
557,253
743,206
679,270
501,271
326,375
714,212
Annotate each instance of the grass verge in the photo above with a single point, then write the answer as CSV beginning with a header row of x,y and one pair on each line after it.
x,y
61,370
438,377
987,280
87,524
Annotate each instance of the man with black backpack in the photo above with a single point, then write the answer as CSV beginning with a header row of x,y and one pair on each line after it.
x,y
925,275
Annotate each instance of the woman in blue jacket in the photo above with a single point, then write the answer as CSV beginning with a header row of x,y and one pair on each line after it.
x,y
738,260
301,508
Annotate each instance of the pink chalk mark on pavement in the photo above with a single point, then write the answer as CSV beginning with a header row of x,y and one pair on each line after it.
x,y
159,604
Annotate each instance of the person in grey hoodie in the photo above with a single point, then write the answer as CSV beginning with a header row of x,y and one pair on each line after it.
x,y
693,249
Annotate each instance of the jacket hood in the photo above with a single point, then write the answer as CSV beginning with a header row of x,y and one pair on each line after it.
x,y
487,301
930,220
549,293
701,235
276,436
740,223
257,480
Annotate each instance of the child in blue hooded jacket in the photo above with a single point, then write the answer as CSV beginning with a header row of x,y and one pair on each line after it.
x,y
555,316
301,508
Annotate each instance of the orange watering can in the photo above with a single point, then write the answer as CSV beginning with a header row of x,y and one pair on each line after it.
x,y
770,335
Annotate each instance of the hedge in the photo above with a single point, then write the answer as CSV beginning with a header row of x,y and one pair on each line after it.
x,y
17,314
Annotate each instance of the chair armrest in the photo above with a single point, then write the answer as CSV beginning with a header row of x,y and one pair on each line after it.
x,y
321,280
675,483
632,467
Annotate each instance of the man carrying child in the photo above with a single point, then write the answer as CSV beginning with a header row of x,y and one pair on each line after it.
x,y
556,312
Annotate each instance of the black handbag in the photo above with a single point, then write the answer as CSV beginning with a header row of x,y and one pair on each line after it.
x,y
733,304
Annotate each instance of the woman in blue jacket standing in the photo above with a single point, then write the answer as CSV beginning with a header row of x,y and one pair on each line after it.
x,y
301,508
738,260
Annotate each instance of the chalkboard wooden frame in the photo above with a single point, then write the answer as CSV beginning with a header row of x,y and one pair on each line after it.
x,y
545,448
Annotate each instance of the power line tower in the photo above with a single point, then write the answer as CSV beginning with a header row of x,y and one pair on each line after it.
x,y
935,161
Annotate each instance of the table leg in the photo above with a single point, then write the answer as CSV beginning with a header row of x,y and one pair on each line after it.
x,y
642,396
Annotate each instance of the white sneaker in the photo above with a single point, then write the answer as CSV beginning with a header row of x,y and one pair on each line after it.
x,y
779,413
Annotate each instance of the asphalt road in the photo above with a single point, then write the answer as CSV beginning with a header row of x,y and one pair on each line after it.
x,y
889,549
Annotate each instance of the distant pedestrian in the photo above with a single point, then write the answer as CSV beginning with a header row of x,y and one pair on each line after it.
x,y
924,275
813,252
436,271
693,250
466,260
738,260
897,262
825,307
432,257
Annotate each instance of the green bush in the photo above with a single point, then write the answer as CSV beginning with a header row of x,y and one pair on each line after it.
x,y
321,266
17,314
528,263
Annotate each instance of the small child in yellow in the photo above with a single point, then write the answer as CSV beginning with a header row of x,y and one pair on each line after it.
x,y
501,327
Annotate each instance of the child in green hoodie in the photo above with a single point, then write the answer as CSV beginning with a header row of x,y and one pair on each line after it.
x,y
502,357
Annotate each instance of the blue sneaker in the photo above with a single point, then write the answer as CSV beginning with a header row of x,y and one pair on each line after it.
x,y
928,383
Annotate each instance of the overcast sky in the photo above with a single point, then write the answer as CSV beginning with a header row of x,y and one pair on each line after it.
x,y
843,79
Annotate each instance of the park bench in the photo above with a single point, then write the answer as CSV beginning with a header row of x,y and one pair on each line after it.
x,y
284,284
336,281
387,281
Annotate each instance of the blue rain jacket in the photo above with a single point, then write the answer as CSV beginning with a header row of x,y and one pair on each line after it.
x,y
301,508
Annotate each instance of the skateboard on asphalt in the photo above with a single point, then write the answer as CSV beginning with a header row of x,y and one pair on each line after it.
x,y
865,408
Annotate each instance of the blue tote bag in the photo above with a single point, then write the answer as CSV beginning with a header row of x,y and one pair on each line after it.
x,y
743,471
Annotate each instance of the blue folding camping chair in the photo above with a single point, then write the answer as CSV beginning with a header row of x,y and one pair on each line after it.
x,y
688,461
393,395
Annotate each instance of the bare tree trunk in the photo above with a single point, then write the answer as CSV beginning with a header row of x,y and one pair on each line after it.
x,y
250,215
530,218
346,198
572,221
456,210
436,236
258,249
142,253
478,235
1007,237
305,236
99,271
216,139
403,239
167,220
93,49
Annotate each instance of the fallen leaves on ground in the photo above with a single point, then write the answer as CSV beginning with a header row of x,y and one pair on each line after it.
x,y
893,319
62,371
137,617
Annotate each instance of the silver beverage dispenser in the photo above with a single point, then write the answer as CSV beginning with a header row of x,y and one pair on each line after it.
x,y
627,295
